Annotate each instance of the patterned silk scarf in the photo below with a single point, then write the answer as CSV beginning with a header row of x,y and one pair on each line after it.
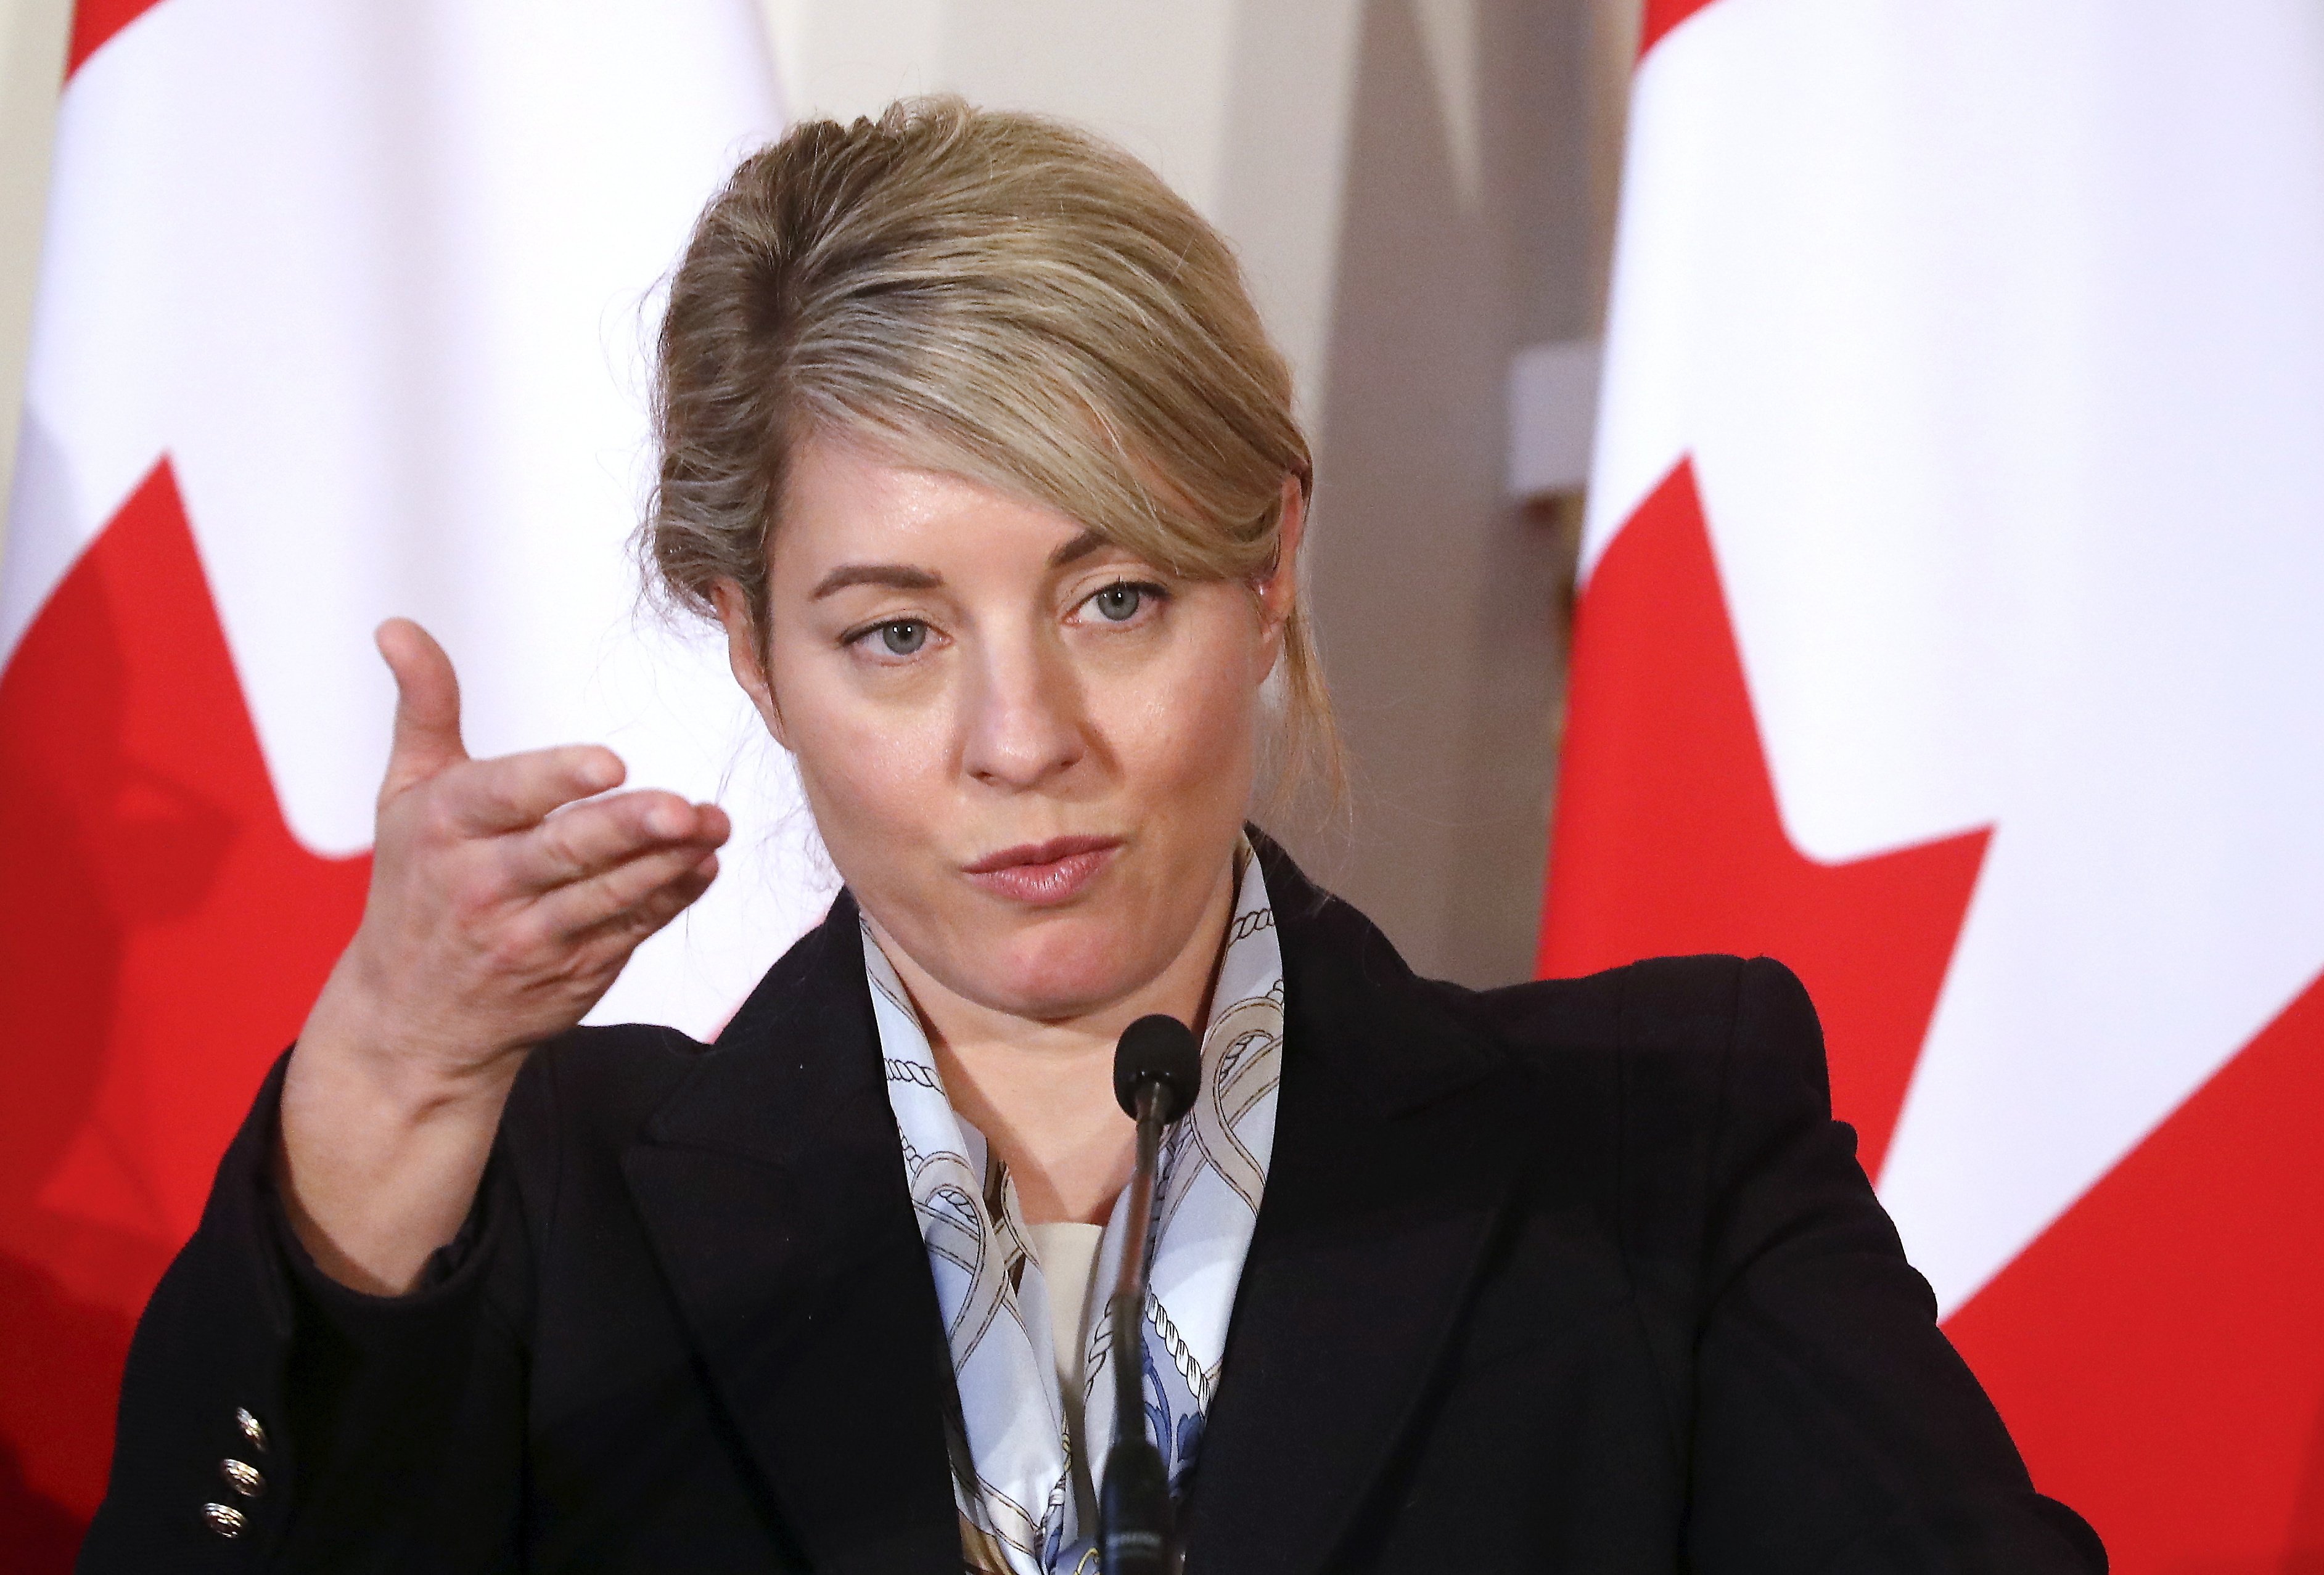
x,y
1010,1474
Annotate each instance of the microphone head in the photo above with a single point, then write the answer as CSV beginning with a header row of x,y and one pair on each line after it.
x,y
1162,1050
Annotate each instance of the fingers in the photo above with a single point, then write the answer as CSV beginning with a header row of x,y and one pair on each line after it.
x,y
488,797
661,905
634,898
427,705
591,838
606,947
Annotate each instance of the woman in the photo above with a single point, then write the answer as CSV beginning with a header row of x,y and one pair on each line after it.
x,y
973,444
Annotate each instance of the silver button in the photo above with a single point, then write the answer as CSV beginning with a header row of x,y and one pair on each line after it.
x,y
224,1519
242,1477
250,1430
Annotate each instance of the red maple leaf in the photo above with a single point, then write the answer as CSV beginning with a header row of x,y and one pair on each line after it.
x,y
164,934
1668,839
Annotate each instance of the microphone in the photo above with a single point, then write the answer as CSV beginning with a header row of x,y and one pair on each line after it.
x,y
1157,1068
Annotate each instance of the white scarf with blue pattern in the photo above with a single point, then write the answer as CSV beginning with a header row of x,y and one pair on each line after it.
x,y
1011,1477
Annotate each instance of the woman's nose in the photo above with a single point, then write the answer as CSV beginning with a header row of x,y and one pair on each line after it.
x,y
1026,722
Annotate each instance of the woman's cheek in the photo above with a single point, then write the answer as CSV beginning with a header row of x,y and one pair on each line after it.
x,y
860,760
887,764
1200,718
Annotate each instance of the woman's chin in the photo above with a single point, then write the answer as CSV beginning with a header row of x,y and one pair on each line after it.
x,y
1052,978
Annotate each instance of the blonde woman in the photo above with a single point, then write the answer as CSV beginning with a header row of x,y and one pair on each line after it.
x,y
971,441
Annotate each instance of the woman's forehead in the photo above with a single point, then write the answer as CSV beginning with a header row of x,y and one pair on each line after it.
x,y
845,504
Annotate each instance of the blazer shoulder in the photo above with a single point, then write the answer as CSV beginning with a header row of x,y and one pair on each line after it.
x,y
1656,1001
1685,1034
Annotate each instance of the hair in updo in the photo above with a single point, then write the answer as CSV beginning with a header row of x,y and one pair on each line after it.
x,y
994,295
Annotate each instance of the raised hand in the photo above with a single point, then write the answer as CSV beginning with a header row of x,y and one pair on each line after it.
x,y
505,899
502,908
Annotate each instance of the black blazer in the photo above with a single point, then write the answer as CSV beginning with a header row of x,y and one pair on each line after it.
x,y
1575,1275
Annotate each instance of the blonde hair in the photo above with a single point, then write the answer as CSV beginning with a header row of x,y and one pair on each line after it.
x,y
995,295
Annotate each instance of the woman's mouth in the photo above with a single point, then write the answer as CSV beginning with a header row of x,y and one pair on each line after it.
x,y
1044,874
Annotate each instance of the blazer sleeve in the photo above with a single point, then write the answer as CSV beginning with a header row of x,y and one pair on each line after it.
x,y
1835,1428
386,1433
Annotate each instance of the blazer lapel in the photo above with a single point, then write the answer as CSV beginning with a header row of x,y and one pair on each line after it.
x,y
1395,1155
773,1189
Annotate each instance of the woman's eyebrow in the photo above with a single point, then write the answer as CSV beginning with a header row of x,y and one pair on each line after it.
x,y
898,577
1081,546
904,576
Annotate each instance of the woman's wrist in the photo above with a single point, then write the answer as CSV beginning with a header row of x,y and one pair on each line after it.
x,y
375,1053
383,1138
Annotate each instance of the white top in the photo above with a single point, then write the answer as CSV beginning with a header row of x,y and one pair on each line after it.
x,y
1068,1253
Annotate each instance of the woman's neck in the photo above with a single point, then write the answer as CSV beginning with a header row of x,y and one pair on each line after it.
x,y
1040,1091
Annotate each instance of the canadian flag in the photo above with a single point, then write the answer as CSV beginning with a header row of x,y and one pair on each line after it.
x,y
1953,630
346,311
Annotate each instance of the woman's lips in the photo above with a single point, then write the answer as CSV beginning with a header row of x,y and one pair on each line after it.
x,y
1044,874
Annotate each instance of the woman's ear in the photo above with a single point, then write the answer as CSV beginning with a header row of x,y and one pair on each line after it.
x,y
1279,587
745,654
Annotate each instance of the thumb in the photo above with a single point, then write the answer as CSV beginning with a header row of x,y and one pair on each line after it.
x,y
427,705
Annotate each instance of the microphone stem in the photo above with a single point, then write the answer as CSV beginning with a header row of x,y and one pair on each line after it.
x,y
1128,1308
1134,1529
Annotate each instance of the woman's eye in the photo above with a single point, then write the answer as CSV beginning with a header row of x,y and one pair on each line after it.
x,y
905,637
1120,603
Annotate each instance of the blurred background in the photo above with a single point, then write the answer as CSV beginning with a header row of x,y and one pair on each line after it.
x,y
1835,479
1423,192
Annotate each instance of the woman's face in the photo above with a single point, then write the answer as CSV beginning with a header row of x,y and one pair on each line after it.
x,y
1029,752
